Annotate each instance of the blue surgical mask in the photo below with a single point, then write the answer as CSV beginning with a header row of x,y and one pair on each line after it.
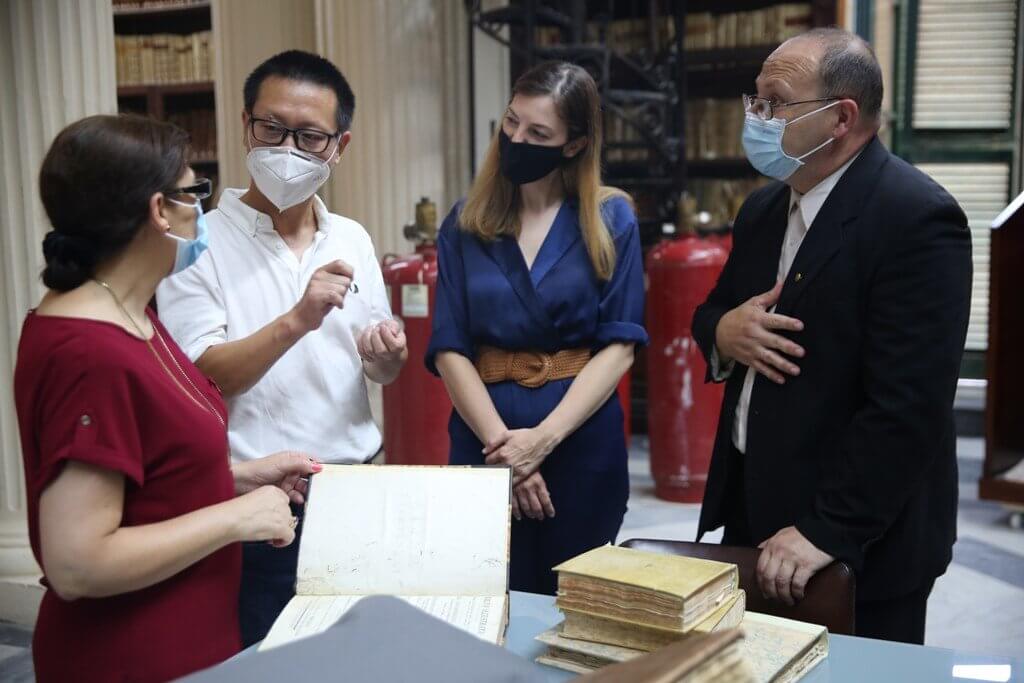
x,y
762,141
190,250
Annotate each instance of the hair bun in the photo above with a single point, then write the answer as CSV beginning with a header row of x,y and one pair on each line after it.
x,y
69,260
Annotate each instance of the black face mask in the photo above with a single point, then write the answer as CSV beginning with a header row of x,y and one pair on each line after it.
x,y
523,163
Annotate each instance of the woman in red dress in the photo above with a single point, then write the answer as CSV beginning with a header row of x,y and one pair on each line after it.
x,y
135,512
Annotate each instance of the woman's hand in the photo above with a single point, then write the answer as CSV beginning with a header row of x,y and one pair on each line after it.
x,y
531,498
264,515
523,449
286,470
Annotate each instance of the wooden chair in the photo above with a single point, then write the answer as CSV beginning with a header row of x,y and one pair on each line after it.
x,y
828,599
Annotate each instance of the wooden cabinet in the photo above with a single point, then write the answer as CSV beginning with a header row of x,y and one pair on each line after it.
x,y
1003,474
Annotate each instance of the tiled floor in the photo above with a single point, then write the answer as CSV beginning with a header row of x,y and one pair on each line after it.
x,y
978,606
15,656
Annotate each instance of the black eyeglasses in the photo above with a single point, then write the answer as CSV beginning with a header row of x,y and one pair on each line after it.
x,y
764,108
307,139
201,189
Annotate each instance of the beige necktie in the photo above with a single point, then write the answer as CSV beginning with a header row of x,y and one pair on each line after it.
x,y
795,233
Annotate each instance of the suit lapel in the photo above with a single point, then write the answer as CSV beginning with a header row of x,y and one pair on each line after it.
x,y
825,237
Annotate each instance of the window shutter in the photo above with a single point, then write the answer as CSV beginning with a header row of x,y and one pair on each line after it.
x,y
983,191
964,67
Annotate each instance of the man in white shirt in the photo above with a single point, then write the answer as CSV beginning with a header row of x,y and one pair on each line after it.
x,y
838,325
287,310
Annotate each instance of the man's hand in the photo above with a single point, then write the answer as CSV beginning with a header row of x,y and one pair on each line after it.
x,y
787,563
384,341
744,334
531,498
325,292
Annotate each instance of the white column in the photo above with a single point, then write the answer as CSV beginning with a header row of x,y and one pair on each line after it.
x,y
406,61
56,66
883,41
245,33
457,127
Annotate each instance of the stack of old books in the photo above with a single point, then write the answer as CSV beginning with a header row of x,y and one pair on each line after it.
x,y
621,604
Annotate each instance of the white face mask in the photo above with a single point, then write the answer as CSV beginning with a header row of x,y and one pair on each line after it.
x,y
286,176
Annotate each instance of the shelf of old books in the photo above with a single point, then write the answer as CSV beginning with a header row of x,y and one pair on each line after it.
x,y
164,59
724,167
163,89
671,73
129,8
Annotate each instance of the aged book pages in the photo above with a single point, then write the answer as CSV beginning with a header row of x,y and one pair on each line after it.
x,y
712,658
778,650
394,530
729,667
584,626
651,589
437,537
782,650
484,616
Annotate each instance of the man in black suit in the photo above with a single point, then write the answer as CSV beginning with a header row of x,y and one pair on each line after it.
x,y
838,323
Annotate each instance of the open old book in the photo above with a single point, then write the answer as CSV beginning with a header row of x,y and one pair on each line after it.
x,y
437,537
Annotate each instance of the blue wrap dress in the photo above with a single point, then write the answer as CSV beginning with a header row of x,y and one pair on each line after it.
x,y
487,296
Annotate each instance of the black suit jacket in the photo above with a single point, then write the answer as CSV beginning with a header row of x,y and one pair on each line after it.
x,y
858,451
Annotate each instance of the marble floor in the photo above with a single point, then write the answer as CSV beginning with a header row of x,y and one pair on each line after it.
x,y
977,606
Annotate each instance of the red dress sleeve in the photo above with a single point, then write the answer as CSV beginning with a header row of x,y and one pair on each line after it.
x,y
87,413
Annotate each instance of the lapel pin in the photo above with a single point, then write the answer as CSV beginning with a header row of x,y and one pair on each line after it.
x,y
799,277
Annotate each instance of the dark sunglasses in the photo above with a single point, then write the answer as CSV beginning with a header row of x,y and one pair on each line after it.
x,y
201,189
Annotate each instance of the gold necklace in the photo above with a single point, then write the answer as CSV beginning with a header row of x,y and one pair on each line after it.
x,y
209,406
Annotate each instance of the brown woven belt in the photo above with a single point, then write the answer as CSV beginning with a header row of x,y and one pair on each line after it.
x,y
529,368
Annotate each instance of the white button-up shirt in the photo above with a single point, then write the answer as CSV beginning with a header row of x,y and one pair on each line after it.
x,y
314,398
803,209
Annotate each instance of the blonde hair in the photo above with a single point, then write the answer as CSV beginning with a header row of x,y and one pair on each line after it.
x,y
491,208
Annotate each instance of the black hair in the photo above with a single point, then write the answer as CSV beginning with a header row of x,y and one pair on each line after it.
x,y
305,67
96,182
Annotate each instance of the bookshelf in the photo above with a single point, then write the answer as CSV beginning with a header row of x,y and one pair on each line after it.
x,y
164,60
670,73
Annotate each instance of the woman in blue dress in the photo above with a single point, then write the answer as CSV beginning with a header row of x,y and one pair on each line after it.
x,y
540,304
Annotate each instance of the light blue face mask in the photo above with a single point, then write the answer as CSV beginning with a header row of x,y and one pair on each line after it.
x,y
762,141
190,250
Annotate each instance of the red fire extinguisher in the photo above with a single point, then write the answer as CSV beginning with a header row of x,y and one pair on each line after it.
x,y
682,410
416,405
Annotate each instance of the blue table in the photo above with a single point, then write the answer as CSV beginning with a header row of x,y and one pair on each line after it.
x,y
850,660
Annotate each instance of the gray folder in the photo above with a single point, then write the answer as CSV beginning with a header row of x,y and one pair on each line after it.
x,y
381,639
